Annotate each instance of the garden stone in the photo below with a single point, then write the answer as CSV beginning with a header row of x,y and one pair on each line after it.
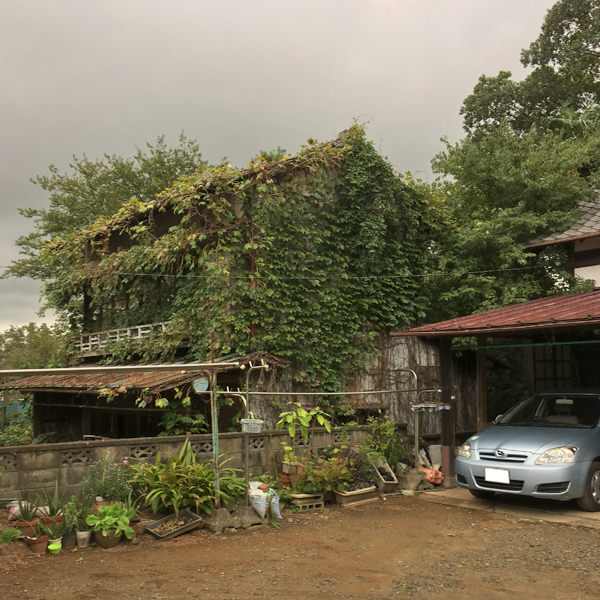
x,y
246,516
410,479
219,519
424,486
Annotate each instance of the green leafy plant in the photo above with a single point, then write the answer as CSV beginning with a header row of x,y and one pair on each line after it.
x,y
77,511
322,476
382,437
10,535
111,481
179,418
182,482
18,431
112,518
300,419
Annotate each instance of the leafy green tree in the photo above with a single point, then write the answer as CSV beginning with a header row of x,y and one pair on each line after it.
x,y
34,346
96,189
502,189
566,72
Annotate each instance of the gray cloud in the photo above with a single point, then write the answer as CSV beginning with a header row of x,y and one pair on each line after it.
x,y
239,76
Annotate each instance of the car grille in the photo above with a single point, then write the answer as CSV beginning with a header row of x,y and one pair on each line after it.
x,y
553,488
461,478
515,485
510,457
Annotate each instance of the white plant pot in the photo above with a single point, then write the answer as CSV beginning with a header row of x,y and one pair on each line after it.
x,y
83,538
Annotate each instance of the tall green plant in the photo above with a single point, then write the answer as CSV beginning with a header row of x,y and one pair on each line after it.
x,y
182,482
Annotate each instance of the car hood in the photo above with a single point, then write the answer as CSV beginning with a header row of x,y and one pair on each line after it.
x,y
526,439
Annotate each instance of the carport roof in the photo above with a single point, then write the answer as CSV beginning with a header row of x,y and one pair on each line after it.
x,y
555,313
154,382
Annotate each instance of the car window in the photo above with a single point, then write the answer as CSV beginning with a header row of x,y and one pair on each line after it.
x,y
569,410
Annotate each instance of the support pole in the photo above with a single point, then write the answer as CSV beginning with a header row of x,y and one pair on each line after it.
x,y
246,434
481,383
215,436
448,416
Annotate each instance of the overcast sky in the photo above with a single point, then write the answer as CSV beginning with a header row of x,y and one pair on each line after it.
x,y
237,75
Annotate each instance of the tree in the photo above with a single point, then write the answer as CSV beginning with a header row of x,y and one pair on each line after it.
x,y
501,189
566,72
34,346
96,189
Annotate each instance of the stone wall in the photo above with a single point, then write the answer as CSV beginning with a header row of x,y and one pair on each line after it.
x,y
28,469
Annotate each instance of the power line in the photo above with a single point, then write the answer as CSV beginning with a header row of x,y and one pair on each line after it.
x,y
318,277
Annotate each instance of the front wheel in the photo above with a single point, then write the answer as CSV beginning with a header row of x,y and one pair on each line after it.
x,y
482,495
590,500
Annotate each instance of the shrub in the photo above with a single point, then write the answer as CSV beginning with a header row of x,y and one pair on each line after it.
x,y
18,431
184,483
10,535
383,438
322,476
112,481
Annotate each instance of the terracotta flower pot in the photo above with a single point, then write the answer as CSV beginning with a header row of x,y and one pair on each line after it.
x,y
27,527
107,541
49,520
38,545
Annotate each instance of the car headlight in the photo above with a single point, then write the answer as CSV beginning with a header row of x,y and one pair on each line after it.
x,y
556,456
465,450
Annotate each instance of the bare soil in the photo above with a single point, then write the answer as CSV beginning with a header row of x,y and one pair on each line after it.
x,y
399,548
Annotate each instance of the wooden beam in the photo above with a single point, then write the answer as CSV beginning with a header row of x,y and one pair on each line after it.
x,y
482,419
448,416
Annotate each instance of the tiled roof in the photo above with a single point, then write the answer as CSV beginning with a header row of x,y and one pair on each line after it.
x,y
552,313
588,225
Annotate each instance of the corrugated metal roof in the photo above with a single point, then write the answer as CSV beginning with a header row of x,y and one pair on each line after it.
x,y
554,312
588,225
126,382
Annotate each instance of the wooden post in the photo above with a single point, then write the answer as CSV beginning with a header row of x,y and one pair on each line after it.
x,y
448,416
481,383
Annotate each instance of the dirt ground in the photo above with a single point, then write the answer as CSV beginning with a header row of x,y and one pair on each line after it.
x,y
400,548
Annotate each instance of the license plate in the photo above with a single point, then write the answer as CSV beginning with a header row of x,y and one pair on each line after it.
x,y
497,475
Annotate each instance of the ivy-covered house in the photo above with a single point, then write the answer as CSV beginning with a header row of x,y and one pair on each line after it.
x,y
313,259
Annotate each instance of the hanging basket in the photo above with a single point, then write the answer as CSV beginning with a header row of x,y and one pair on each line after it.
x,y
252,425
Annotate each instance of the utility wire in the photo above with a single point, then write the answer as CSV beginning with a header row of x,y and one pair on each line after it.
x,y
320,277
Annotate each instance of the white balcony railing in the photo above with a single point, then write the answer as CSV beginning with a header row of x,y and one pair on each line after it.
x,y
95,342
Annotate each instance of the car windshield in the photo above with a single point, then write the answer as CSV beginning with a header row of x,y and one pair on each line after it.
x,y
569,410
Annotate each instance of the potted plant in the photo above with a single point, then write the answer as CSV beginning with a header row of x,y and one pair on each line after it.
x,y
52,510
55,530
77,512
110,524
107,482
27,522
39,541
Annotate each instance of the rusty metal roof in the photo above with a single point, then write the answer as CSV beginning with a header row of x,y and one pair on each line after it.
x,y
552,313
127,382
588,225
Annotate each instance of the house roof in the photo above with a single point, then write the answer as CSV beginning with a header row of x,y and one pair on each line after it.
x,y
154,382
588,225
553,313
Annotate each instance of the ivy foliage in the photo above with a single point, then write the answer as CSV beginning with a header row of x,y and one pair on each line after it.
x,y
307,258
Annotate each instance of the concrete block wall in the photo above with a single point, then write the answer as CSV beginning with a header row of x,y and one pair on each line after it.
x,y
29,469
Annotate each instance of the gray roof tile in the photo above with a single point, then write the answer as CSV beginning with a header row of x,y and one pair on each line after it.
x,y
587,224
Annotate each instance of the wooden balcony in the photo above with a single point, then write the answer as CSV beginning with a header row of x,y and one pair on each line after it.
x,y
92,344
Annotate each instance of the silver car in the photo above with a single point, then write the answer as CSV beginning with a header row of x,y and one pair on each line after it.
x,y
547,446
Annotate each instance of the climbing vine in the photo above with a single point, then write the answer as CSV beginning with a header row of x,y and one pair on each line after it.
x,y
308,258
